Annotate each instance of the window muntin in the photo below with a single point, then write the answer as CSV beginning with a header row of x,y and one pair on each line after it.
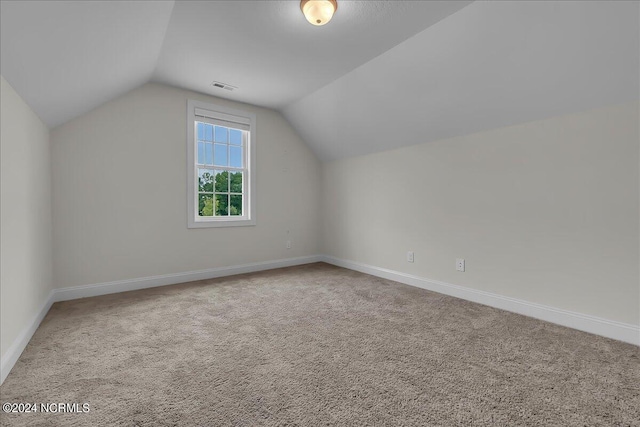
x,y
220,160
221,169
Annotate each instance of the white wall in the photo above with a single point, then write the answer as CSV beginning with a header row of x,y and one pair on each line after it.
x,y
120,201
545,212
25,241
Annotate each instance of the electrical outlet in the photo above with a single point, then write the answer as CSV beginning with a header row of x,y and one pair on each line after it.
x,y
410,256
288,244
460,264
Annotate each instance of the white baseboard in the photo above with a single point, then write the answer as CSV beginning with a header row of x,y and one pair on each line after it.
x,y
75,292
20,343
84,291
595,325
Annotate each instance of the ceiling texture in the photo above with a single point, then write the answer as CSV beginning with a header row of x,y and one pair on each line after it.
x,y
380,75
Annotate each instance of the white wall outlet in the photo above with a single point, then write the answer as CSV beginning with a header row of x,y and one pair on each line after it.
x,y
460,264
288,244
410,256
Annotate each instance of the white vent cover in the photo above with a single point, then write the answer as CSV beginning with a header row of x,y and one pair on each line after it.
x,y
220,85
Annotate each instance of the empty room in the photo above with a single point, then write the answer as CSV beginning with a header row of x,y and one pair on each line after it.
x,y
320,212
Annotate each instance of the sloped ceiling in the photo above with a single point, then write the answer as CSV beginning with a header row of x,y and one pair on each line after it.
x,y
380,75
272,54
492,64
67,57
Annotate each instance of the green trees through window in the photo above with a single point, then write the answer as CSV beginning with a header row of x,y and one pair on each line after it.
x,y
220,193
220,166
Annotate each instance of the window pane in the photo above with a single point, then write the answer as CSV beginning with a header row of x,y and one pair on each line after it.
x,y
221,155
236,205
205,181
205,205
208,153
222,181
235,136
222,201
200,131
236,182
201,153
208,132
221,134
235,154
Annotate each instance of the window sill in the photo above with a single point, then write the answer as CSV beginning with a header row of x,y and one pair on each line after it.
x,y
222,223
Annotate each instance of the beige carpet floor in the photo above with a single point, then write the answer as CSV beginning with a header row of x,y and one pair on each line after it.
x,y
316,345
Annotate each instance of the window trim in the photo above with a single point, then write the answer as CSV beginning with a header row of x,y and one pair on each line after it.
x,y
249,199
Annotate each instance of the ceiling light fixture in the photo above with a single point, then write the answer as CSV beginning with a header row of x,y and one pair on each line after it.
x,y
318,12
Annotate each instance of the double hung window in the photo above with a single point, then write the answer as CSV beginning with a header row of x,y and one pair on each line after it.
x,y
221,166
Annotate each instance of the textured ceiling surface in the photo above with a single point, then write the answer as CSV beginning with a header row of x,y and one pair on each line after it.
x,y
67,57
380,75
272,54
490,65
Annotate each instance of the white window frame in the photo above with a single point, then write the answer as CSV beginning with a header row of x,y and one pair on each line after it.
x,y
220,113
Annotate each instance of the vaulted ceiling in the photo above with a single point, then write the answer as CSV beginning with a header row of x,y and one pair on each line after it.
x,y
380,75
492,64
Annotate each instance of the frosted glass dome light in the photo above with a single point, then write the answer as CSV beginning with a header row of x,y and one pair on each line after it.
x,y
318,12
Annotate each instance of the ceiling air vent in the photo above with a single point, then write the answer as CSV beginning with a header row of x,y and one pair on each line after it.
x,y
221,85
